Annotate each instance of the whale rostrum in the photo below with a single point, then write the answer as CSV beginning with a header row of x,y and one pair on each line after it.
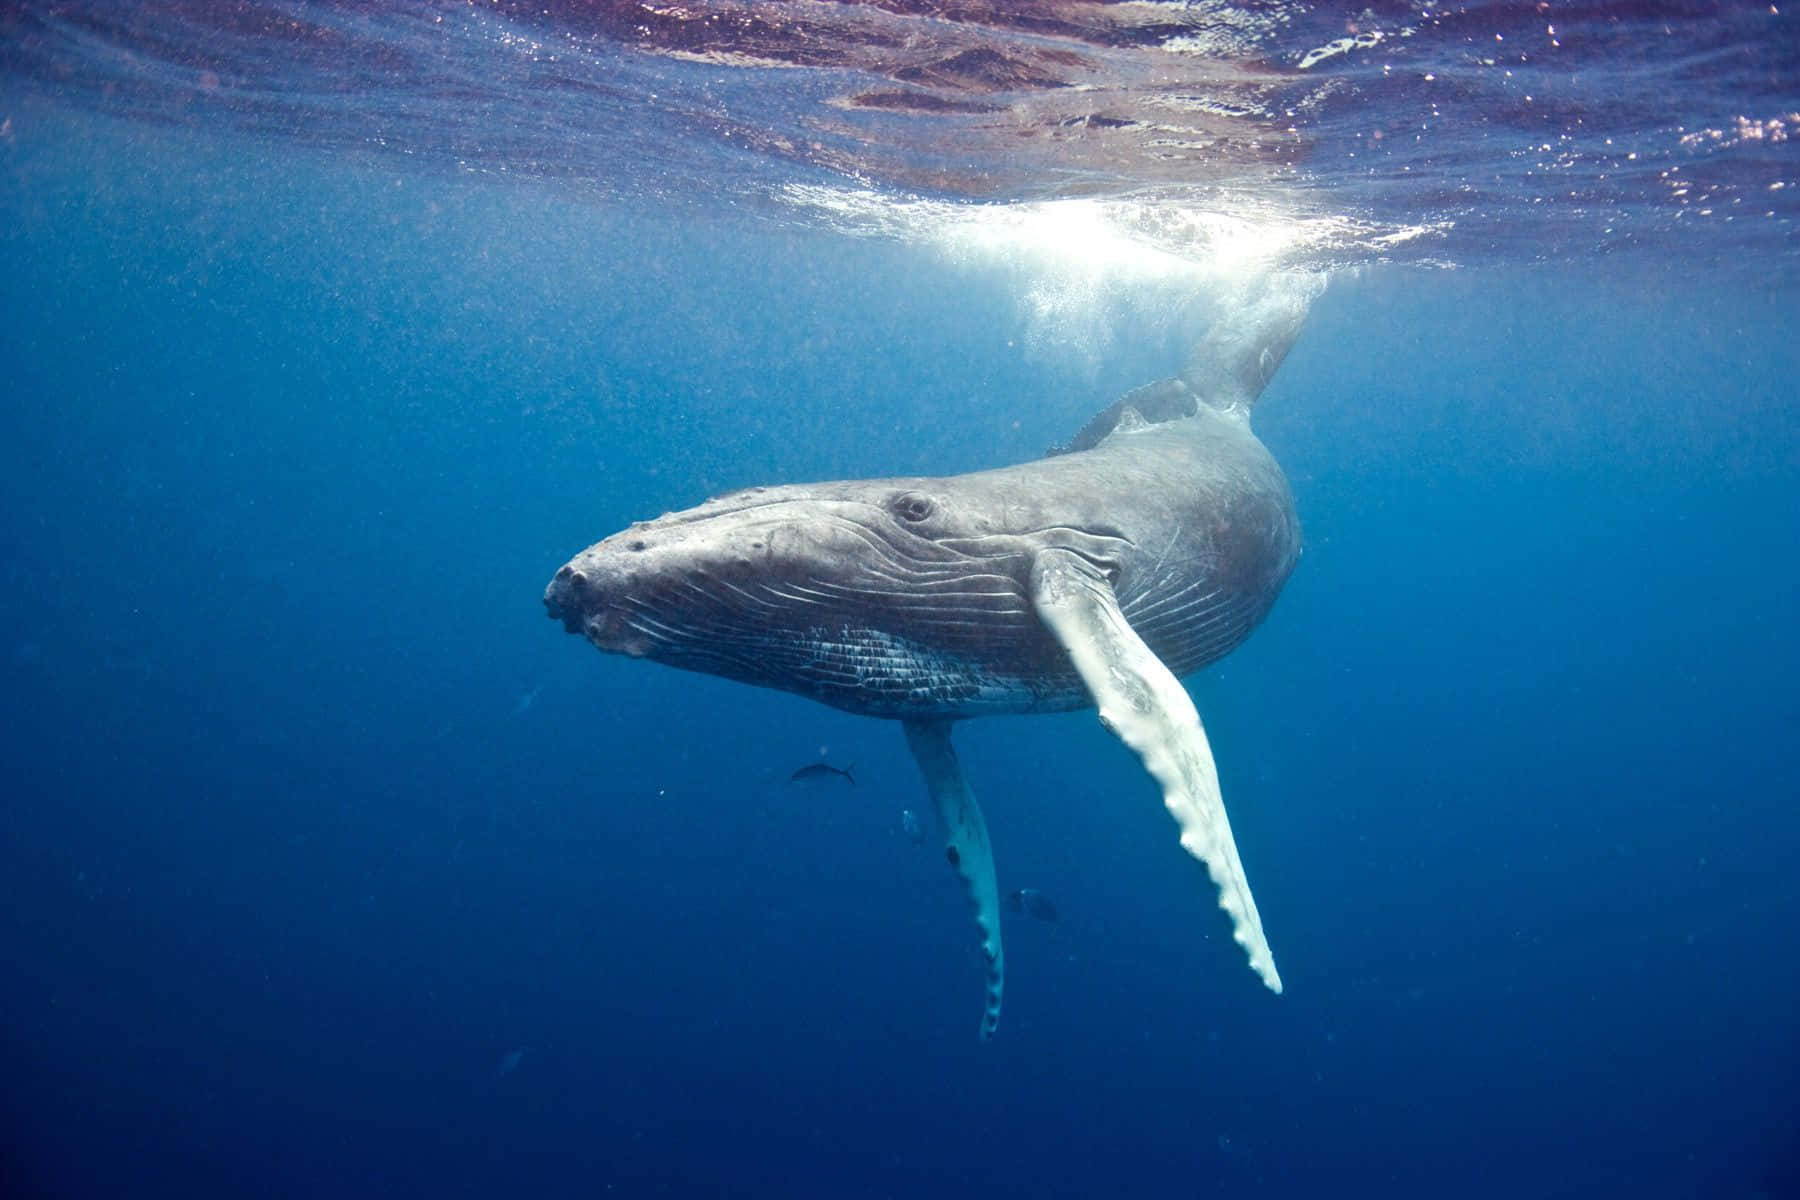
x,y
1150,546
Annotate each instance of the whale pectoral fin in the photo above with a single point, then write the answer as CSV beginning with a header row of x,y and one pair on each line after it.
x,y
966,846
1142,702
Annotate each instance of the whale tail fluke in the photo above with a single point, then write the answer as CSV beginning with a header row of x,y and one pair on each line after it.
x,y
1245,347
1227,371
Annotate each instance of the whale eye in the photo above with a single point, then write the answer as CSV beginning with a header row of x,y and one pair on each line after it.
x,y
912,506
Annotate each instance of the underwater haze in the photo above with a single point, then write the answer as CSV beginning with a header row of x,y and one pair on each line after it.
x,y
329,867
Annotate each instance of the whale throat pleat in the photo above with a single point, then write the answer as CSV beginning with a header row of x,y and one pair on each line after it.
x,y
1143,703
967,848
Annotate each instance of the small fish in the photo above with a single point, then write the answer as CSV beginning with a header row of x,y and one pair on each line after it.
x,y
909,821
821,770
1031,902
509,1062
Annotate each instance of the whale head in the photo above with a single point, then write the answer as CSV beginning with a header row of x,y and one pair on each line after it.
x,y
888,597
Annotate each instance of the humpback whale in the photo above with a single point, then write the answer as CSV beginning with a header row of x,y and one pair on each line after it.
x,y
1148,547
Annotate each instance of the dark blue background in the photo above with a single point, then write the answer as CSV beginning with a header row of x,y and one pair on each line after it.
x,y
311,818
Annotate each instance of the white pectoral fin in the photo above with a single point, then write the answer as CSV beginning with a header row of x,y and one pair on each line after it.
x,y
966,846
1142,702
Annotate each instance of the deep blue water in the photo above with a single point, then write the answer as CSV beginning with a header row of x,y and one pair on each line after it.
x,y
311,821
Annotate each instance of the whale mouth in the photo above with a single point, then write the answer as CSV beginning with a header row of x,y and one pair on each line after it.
x,y
565,599
602,616
574,599
612,630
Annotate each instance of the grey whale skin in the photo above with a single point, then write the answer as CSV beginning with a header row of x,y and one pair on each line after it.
x,y
1095,576
911,597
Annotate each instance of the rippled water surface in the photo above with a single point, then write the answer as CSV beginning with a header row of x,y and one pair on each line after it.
x,y
1467,133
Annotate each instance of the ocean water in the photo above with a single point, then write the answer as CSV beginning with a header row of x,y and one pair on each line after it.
x,y
330,868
